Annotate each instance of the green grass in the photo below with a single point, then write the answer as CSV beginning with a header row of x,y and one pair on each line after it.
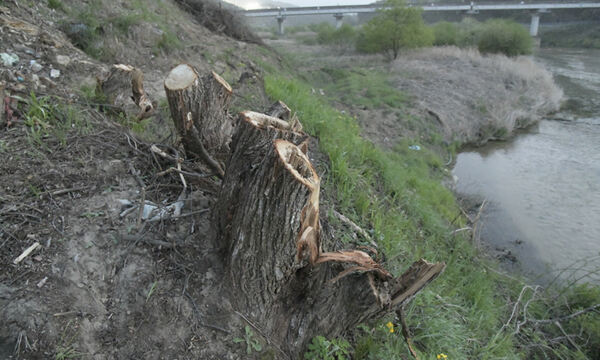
x,y
47,118
56,5
360,87
399,194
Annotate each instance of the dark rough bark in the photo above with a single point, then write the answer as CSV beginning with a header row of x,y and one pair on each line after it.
x,y
198,107
251,145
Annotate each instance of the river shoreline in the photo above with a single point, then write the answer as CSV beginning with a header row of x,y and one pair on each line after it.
x,y
541,188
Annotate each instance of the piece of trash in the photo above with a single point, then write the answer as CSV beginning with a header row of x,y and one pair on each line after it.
x,y
35,66
25,253
9,59
415,147
20,79
42,282
153,211
54,73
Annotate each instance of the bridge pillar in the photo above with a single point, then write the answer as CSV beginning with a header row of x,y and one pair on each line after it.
x,y
280,27
338,20
535,24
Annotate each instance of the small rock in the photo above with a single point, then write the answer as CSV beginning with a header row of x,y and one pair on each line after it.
x,y
42,282
35,80
35,66
63,60
9,59
54,73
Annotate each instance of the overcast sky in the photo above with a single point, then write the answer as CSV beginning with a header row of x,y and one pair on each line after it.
x,y
254,4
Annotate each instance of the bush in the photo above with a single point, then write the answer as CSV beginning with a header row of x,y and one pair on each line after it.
x,y
506,37
445,33
341,38
393,29
468,32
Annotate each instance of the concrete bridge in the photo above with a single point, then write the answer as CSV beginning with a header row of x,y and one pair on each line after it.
x,y
536,9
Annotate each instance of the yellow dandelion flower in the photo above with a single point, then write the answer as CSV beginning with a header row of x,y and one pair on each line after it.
x,y
390,326
442,357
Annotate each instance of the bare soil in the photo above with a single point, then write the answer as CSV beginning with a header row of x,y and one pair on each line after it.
x,y
109,284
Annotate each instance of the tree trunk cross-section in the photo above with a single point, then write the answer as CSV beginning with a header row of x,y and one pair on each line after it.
x,y
198,106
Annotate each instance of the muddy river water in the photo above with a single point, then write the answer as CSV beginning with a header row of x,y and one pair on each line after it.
x,y
543,187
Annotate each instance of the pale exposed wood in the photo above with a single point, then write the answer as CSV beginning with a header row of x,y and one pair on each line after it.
x,y
414,280
26,253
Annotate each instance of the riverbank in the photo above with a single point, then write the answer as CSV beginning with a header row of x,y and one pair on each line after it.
x,y
392,183
476,98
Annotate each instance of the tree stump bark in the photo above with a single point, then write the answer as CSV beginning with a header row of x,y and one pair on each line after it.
x,y
251,146
198,107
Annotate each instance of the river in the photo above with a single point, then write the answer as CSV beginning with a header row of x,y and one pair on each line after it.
x,y
543,187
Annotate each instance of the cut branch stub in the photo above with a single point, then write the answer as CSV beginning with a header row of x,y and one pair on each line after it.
x,y
123,84
198,107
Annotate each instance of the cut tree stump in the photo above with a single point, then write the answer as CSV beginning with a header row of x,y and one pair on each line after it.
x,y
122,85
267,218
199,107
281,272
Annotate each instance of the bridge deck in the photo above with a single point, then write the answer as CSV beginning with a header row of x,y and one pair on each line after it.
x,y
353,9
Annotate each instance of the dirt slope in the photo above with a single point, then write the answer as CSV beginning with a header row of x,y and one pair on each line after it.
x,y
106,283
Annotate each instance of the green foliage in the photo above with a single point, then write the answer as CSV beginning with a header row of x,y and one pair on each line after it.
x,y
56,5
445,33
341,38
468,32
323,349
248,339
505,37
494,36
122,23
167,42
47,119
394,29
65,349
